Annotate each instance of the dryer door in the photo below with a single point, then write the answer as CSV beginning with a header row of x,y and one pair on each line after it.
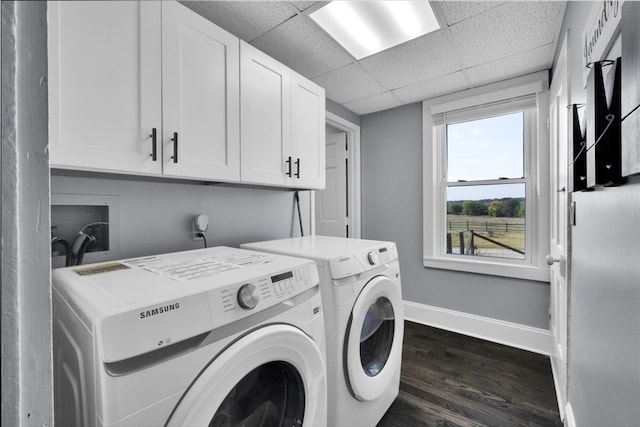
x,y
271,376
374,339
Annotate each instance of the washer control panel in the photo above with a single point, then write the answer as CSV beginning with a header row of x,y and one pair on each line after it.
x,y
159,300
233,302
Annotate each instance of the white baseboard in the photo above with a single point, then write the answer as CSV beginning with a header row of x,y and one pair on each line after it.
x,y
512,334
560,397
569,420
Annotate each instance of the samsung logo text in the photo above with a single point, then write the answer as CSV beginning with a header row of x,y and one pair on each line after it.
x,y
159,310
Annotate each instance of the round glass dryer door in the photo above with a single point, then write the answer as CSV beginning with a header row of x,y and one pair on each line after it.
x,y
273,376
374,338
271,395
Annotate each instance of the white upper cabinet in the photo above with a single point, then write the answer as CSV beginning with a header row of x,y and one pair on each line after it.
x,y
200,97
265,117
104,85
282,124
122,72
152,88
308,132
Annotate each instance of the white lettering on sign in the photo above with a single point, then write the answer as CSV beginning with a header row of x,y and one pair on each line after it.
x,y
598,35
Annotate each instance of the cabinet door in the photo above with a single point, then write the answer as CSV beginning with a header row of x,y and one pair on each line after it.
x,y
104,85
200,72
264,118
308,132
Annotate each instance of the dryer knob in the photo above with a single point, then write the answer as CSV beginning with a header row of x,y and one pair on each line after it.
x,y
372,257
248,296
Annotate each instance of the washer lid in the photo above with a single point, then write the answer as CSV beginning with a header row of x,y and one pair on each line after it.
x,y
245,383
374,339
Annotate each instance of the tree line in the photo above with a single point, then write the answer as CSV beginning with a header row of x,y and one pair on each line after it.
x,y
511,207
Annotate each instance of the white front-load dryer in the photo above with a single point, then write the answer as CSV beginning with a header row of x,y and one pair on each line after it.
x,y
212,337
364,322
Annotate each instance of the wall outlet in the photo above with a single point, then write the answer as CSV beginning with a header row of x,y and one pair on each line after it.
x,y
199,225
194,234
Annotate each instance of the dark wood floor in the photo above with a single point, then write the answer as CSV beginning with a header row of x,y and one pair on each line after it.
x,y
450,379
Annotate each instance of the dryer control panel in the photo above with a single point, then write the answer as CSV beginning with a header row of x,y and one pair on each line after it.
x,y
361,261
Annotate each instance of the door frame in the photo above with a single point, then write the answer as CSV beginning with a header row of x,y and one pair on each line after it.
x,y
353,174
560,267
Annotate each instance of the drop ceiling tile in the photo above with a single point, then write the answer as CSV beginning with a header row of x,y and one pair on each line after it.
x,y
245,19
506,30
430,89
382,101
418,60
514,66
304,5
348,84
456,11
491,40
300,45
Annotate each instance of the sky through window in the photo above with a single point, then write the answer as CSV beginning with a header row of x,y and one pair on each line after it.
x,y
486,149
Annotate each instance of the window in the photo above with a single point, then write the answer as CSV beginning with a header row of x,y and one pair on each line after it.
x,y
486,183
485,186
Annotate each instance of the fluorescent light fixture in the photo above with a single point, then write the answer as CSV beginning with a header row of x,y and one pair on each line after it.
x,y
367,27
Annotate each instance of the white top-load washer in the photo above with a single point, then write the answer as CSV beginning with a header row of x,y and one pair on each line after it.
x,y
364,322
211,337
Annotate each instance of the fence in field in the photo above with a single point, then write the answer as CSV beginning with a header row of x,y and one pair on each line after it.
x,y
489,227
470,247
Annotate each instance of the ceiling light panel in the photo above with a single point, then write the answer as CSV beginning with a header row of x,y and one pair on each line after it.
x,y
367,27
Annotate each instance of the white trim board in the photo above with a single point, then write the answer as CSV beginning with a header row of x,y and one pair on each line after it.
x,y
570,420
556,386
512,334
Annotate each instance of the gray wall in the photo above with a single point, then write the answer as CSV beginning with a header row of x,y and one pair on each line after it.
x,y
604,320
156,215
343,112
27,385
392,210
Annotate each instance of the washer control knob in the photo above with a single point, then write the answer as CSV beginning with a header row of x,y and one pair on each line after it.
x,y
248,296
372,257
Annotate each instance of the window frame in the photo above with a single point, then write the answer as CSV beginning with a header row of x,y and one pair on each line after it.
x,y
536,179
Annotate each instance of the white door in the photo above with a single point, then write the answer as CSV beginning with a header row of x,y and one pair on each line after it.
x,y
265,114
105,85
272,376
373,350
201,95
559,242
307,132
331,203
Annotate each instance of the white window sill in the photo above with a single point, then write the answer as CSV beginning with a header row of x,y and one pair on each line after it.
x,y
493,267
